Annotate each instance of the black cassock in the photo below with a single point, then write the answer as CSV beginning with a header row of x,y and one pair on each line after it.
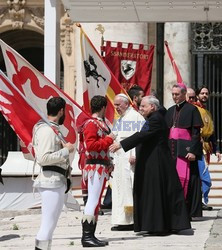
x,y
187,116
159,204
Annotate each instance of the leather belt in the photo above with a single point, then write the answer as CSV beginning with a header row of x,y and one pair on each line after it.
x,y
98,161
55,169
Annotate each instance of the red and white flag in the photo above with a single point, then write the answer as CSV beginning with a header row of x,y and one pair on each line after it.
x,y
16,110
175,68
38,90
97,77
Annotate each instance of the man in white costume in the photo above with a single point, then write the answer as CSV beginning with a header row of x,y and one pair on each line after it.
x,y
52,155
130,121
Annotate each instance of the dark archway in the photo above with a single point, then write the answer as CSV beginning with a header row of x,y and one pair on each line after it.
x,y
30,45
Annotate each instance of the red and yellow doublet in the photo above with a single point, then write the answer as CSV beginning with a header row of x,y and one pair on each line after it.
x,y
96,143
206,131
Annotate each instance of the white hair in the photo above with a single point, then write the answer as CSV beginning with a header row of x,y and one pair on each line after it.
x,y
150,99
124,97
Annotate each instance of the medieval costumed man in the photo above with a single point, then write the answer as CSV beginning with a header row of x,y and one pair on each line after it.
x,y
97,168
209,142
52,155
184,123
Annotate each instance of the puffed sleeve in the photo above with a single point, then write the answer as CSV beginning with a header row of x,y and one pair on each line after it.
x,y
92,141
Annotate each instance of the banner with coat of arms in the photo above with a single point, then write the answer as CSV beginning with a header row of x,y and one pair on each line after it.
x,y
129,65
97,77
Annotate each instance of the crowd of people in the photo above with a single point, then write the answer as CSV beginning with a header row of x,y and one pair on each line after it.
x,y
157,159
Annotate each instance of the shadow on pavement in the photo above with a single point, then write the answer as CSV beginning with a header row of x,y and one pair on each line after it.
x,y
9,237
204,218
182,232
122,238
186,232
67,238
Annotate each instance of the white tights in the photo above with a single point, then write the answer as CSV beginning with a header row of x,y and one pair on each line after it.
x,y
52,204
95,188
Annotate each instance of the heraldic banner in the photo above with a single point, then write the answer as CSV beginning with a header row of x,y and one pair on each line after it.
x,y
130,66
97,77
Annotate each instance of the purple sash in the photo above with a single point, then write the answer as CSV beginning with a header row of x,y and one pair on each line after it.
x,y
182,164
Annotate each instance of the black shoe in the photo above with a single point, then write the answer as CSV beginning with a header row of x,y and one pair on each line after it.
x,y
207,208
106,206
115,228
164,233
123,228
174,231
100,212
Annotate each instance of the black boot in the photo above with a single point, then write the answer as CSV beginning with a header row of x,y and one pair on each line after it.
x,y
100,241
88,229
43,244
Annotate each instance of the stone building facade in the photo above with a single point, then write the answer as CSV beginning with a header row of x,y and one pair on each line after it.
x,y
22,28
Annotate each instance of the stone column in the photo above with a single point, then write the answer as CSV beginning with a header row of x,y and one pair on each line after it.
x,y
52,40
178,37
67,51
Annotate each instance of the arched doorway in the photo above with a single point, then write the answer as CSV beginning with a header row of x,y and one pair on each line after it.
x,y
30,45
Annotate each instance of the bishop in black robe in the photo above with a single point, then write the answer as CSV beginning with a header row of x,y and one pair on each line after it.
x,y
186,117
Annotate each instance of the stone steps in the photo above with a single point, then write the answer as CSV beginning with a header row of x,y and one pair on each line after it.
x,y
215,194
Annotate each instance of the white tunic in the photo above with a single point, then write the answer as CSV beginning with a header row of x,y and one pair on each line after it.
x,y
49,151
122,183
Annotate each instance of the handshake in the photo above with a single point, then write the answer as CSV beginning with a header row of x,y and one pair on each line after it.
x,y
115,146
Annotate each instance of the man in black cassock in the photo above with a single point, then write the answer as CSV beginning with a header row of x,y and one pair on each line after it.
x,y
159,204
184,123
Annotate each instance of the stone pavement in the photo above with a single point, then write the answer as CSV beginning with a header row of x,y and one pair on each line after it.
x,y
18,230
